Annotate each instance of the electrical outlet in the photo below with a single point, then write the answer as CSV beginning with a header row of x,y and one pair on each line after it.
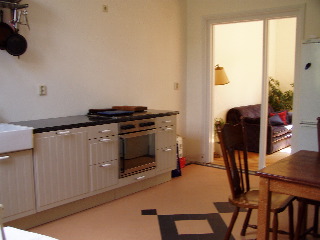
x,y
42,90
104,8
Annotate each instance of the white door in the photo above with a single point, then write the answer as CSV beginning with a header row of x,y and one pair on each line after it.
x,y
265,17
309,99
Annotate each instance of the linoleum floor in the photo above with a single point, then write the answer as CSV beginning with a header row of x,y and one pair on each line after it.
x,y
193,206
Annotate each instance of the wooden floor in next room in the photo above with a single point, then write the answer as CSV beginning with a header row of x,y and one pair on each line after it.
x,y
253,158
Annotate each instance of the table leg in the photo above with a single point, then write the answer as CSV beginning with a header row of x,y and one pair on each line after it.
x,y
264,209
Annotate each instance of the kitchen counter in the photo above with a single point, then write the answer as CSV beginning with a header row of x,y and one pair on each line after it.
x,y
61,123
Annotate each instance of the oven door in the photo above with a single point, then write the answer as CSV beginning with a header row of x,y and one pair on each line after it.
x,y
137,152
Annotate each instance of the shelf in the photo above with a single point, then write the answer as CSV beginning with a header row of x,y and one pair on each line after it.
x,y
13,5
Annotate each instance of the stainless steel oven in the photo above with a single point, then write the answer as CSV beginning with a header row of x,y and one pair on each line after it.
x,y
137,147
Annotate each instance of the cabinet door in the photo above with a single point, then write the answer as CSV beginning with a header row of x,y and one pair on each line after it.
x,y
104,169
103,149
166,137
16,184
104,175
61,167
166,160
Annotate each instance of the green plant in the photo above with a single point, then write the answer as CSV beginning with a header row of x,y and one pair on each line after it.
x,y
278,99
218,121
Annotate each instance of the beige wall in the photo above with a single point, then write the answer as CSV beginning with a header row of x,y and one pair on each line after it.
x,y
238,48
281,54
131,55
241,56
197,12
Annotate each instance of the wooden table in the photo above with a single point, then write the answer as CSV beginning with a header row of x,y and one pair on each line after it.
x,y
297,175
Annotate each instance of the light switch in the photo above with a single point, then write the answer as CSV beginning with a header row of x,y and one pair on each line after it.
x,y
104,8
42,90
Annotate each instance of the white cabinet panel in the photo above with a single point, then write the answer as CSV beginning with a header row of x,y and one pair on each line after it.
x,y
166,144
104,155
104,175
166,137
103,149
166,160
61,167
101,131
16,184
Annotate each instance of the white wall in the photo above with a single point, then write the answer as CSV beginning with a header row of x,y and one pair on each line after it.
x,y
282,51
241,56
131,55
197,12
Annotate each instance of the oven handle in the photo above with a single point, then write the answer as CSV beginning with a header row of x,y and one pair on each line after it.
x,y
137,134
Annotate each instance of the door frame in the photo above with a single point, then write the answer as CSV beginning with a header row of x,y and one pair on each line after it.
x,y
296,11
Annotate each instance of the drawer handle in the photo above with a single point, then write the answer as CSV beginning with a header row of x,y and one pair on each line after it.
x,y
167,121
140,178
168,129
105,131
106,165
63,132
105,140
4,157
168,150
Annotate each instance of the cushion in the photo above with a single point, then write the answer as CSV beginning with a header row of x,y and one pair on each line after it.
x,y
282,115
275,120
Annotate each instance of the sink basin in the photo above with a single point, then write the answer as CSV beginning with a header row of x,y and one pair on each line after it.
x,y
15,137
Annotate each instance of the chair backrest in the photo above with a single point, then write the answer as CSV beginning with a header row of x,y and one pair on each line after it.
x,y
318,127
1,223
234,151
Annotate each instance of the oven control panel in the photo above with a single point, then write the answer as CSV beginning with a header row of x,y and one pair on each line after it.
x,y
137,125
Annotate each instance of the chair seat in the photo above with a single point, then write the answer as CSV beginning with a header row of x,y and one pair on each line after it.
x,y
250,199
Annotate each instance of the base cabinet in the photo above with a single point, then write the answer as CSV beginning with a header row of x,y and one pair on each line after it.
x,y
103,156
61,167
16,184
166,144
74,164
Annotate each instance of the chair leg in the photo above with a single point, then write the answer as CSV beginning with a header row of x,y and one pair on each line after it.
x,y
315,220
300,222
246,222
291,224
275,225
233,220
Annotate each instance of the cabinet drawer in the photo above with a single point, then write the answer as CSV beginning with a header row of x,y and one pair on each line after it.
x,y
104,175
166,160
166,137
100,131
166,121
103,149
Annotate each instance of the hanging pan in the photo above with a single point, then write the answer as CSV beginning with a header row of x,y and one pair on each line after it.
x,y
16,44
5,32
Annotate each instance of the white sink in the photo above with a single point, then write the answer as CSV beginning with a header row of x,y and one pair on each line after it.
x,y
15,137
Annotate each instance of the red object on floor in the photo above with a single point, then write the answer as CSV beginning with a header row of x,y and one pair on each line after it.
x,y
182,162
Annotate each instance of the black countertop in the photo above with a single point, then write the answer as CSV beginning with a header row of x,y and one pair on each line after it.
x,y
61,123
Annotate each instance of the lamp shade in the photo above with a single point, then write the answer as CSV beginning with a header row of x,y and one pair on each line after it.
x,y
220,76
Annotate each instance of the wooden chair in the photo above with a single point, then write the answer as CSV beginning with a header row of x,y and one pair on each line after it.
x,y
301,230
233,145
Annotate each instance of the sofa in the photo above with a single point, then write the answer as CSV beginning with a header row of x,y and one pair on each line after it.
x,y
279,131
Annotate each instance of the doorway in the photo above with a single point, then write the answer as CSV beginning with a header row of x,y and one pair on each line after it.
x,y
248,68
